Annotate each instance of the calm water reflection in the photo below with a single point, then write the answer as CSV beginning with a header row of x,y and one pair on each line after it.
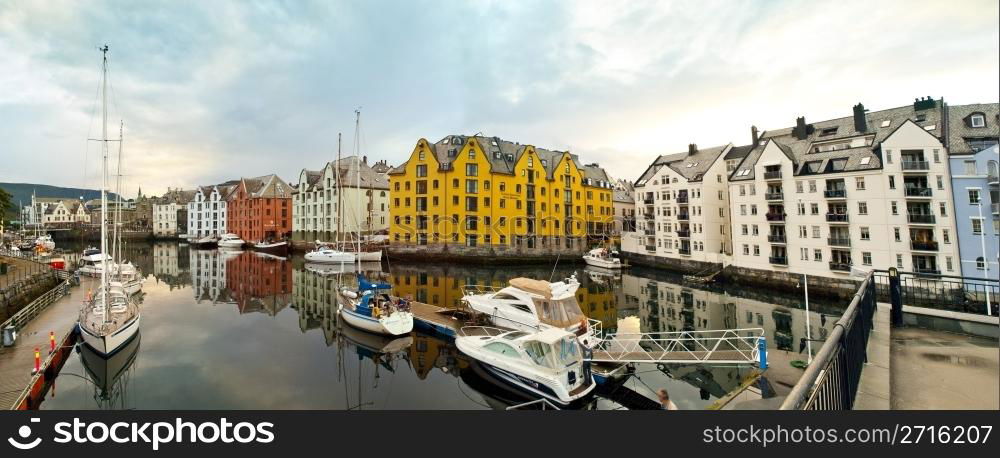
x,y
242,330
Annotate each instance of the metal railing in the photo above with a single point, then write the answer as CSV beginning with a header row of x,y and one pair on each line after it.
x,y
684,233
30,311
540,403
774,196
837,217
835,193
916,165
780,260
831,381
918,218
775,216
772,175
776,238
923,245
913,191
838,241
724,346
942,292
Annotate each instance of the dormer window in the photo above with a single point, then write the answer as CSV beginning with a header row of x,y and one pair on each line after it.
x,y
977,120
828,131
921,118
497,155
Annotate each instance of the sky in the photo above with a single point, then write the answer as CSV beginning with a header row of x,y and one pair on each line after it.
x,y
217,90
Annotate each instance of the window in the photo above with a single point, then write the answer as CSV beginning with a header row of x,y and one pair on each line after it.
x,y
798,187
977,120
974,196
804,254
940,182
803,232
802,208
899,261
892,182
866,258
888,156
895,231
981,263
503,349
947,262
970,167
977,226
756,250
895,209
944,208
471,169
866,233
862,208
421,170
745,230
815,230
746,249
812,185
753,209
818,255
859,183
756,231
814,208
743,190
945,236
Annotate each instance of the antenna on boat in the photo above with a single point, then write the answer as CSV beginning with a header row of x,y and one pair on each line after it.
x,y
553,274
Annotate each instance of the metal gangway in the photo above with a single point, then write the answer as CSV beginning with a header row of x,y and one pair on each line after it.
x,y
724,346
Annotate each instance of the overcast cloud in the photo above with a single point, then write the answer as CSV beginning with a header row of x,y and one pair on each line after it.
x,y
215,90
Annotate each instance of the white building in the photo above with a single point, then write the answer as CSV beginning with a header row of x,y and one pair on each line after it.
x,y
682,207
49,211
208,276
165,219
364,200
207,210
869,191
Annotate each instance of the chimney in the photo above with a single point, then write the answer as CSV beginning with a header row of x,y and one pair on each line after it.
x,y
364,159
860,123
753,135
692,148
800,128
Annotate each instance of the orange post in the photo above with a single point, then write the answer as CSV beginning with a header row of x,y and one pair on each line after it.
x,y
38,361
52,341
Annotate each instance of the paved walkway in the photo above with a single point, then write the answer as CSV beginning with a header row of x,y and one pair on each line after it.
x,y
874,387
17,362
944,370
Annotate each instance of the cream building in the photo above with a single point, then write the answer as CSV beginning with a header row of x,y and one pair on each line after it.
x,y
363,203
207,210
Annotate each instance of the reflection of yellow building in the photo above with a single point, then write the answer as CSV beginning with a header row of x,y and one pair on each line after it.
x,y
443,288
428,352
482,191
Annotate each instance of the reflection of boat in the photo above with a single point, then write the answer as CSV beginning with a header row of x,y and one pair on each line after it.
x,y
261,254
374,311
375,343
603,257
331,269
108,374
602,275
531,305
230,241
546,364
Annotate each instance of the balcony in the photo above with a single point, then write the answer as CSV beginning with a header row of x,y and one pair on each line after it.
x,y
650,247
924,245
683,216
776,238
775,175
916,166
775,216
915,218
996,208
682,199
684,251
649,232
646,201
840,266
684,234
779,260
913,191
926,271
993,179
835,193
649,216
837,241
774,196
836,217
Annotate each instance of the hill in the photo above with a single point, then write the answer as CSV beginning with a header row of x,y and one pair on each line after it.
x,y
21,193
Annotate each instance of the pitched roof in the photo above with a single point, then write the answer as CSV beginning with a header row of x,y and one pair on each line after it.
x,y
960,129
841,131
691,166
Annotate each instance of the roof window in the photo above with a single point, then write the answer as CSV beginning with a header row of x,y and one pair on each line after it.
x,y
828,131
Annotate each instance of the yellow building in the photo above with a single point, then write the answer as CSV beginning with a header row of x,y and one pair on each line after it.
x,y
477,191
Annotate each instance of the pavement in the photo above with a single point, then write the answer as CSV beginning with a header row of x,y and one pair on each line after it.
x,y
874,390
942,370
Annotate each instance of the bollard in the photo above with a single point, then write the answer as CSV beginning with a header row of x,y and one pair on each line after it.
x,y
762,353
895,298
38,361
52,341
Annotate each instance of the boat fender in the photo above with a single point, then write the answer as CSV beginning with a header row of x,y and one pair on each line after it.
x,y
376,312
350,294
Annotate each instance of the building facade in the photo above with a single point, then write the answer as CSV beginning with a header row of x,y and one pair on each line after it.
x,y
975,176
55,211
364,199
682,203
850,194
207,210
260,209
170,213
623,206
477,191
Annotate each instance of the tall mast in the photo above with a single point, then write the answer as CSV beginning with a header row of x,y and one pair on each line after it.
x,y
340,208
118,190
357,186
104,176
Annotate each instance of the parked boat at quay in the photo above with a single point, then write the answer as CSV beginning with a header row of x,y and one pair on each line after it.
x,y
231,241
604,258
374,311
273,247
209,241
546,364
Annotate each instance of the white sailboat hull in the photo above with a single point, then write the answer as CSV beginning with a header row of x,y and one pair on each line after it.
x,y
109,344
330,257
396,324
370,256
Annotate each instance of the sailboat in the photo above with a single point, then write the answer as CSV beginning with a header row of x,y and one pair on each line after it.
x,y
324,253
375,311
109,318
365,252
124,274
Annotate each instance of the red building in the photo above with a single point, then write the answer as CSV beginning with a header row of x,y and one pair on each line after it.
x,y
260,209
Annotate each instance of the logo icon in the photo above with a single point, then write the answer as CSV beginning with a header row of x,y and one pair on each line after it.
x,y
25,431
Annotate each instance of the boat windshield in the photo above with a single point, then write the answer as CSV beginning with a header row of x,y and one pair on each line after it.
x,y
539,353
569,352
555,356
560,313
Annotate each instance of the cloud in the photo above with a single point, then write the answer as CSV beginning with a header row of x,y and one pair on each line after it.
x,y
211,91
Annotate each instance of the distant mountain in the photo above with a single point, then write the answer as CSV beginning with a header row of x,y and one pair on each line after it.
x,y
21,192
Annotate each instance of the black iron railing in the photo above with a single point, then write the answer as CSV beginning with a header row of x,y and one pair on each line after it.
x,y
831,381
773,175
927,288
776,238
835,193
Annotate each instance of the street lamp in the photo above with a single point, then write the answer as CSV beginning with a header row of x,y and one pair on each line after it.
x,y
986,261
809,357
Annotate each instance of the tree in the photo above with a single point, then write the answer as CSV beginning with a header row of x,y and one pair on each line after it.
x,y
5,203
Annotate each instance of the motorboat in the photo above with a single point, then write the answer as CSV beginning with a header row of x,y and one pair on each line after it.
x,y
534,305
325,254
45,242
545,364
208,241
603,257
93,264
280,247
128,277
231,241
372,309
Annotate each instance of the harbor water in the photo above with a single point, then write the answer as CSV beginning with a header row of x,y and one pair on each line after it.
x,y
243,330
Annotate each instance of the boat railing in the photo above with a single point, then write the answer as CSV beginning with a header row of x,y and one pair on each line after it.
x,y
540,403
482,331
471,290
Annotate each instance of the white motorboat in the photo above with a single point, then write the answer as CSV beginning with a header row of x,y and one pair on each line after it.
x,y
374,311
128,277
533,305
93,264
45,242
231,241
323,254
109,318
207,241
603,257
545,364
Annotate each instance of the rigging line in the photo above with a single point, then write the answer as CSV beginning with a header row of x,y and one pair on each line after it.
x,y
90,129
